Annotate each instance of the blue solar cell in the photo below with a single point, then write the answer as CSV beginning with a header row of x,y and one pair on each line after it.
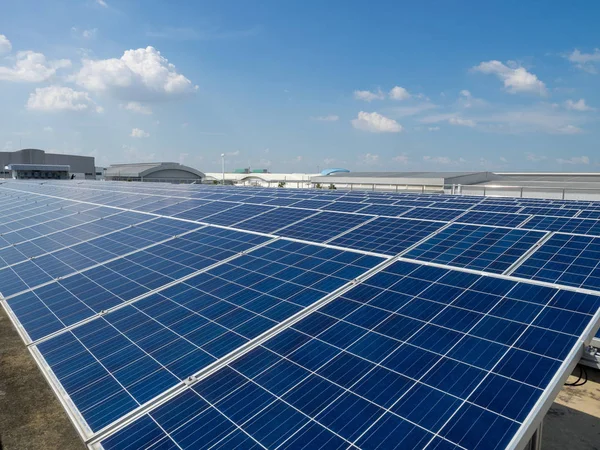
x,y
476,247
323,226
274,220
433,213
564,224
492,218
385,210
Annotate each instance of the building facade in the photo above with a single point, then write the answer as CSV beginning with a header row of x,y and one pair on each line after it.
x,y
83,167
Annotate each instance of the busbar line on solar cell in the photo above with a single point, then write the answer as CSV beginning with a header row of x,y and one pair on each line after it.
x,y
528,254
79,226
313,372
18,270
346,284
481,247
349,230
117,300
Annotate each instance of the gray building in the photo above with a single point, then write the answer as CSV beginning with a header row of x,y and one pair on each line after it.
x,y
161,171
83,167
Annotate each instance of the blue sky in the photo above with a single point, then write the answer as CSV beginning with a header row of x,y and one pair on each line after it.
x,y
301,85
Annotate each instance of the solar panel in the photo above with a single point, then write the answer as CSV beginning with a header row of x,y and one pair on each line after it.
x,y
476,247
433,214
386,235
116,362
550,211
565,259
385,210
323,226
491,218
565,225
274,220
365,371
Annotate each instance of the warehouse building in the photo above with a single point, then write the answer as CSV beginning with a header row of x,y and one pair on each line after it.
x,y
157,172
35,163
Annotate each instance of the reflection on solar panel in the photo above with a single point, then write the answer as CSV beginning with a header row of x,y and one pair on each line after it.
x,y
565,259
159,331
386,235
476,247
388,365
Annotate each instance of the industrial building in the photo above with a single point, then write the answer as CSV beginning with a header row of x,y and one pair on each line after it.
x,y
82,167
157,172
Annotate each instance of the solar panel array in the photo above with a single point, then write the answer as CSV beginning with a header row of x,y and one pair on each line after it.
x,y
169,316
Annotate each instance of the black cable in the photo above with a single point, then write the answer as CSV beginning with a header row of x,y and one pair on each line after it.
x,y
582,379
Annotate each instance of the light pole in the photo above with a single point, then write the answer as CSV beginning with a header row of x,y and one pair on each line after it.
x,y
223,167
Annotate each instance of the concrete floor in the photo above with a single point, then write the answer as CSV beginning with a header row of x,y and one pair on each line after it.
x,y
31,418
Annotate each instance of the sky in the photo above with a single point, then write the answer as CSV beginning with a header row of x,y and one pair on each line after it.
x,y
299,86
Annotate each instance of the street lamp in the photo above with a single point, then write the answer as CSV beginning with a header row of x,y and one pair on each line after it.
x,y
223,167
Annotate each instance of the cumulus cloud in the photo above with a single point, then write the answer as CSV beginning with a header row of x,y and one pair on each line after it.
x,y
534,158
101,3
399,93
58,98
585,61
369,96
328,118
139,75
443,160
461,122
580,160
402,159
137,107
375,123
369,159
5,45
579,105
569,129
516,79
32,67
433,128
84,34
139,133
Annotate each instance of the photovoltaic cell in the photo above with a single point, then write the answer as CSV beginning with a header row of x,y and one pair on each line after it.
x,y
565,259
476,247
323,226
386,235
492,218
274,220
365,371
433,214
565,225
133,354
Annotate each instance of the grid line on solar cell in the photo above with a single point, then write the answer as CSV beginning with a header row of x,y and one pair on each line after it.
x,y
225,319
491,218
589,227
385,210
260,368
431,213
388,236
63,303
322,227
565,259
476,247
274,220
237,214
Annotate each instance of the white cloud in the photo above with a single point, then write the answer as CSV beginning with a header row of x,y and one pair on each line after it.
x,y
569,129
328,118
580,160
32,67
579,105
399,93
139,133
433,129
369,96
49,129
5,45
58,98
534,158
369,159
328,161
503,159
443,160
84,34
461,122
234,153
585,61
465,93
398,112
101,3
375,123
139,75
516,79
137,107
402,159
